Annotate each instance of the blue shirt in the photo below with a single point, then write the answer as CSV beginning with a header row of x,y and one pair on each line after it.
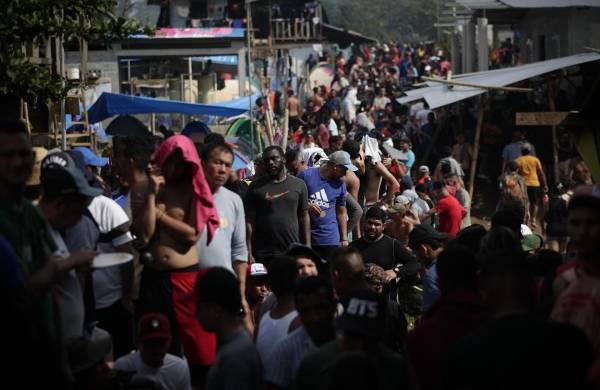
x,y
410,155
327,195
431,290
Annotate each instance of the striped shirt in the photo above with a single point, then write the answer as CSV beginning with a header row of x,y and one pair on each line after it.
x,y
282,363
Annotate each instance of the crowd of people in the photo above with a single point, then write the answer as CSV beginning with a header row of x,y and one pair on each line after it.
x,y
348,260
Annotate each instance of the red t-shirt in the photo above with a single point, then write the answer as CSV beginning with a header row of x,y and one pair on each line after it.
x,y
450,215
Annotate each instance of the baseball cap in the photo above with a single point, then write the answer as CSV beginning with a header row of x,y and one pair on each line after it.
x,y
39,154
424,234
397,207
154,326
342,158
219,286
297,250
257,270
531,242
363,314
526,146
91,158
60,176
88,351
401,199
423,169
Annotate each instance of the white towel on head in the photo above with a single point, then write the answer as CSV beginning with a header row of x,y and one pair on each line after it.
x,y
371,148
308,156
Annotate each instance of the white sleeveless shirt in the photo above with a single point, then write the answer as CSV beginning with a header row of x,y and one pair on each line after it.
x,y
271,331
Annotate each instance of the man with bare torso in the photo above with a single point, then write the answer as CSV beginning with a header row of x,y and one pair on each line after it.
x,y
375,173
294,110
171,224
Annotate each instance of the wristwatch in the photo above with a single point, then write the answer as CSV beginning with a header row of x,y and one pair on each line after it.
x,y
397,269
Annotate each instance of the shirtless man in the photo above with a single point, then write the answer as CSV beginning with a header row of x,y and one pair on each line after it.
x,y
171,227
376,172
294,110
401,223
357,157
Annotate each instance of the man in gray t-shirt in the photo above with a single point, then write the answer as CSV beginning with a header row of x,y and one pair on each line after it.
x,y
228,247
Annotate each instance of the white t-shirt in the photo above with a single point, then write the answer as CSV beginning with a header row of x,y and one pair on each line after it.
x,y
174,374
380,102
333,129
420,207
88,234
108,287
416,108
422,116
68,295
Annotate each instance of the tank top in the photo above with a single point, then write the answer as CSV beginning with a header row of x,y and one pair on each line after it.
x,y
271,331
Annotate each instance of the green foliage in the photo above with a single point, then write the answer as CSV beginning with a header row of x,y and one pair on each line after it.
x,y
386,20
26,21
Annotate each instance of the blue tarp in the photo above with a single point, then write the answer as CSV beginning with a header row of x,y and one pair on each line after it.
x,y
241,103
112,104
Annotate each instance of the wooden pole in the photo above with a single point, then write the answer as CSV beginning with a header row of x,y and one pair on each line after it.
x,y
153,123
268,122
481,86
552,107
26,116
472,174
83,51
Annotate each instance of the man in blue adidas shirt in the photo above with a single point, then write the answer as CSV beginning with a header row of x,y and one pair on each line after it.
x,y
327,203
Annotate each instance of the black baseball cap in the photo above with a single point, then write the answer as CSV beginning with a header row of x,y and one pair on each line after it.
x,y
425,234
298,250
60,176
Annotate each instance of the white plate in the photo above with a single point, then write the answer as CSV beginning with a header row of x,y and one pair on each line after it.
x,y
110,259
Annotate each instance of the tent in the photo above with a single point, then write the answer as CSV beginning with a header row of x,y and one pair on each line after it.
x,y
112,104
247,143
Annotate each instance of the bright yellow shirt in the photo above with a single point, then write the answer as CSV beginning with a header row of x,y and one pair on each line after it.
x,y
528,168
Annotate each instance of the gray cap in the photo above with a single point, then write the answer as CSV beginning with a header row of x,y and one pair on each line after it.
x,y
60,176
342,158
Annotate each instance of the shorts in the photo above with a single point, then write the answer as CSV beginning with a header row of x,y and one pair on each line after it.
x,y
534,194
171,293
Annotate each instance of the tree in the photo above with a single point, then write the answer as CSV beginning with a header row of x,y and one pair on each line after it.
x,y
24,22
404,20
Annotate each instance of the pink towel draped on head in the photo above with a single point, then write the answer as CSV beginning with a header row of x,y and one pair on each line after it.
x,y
206,213
323,137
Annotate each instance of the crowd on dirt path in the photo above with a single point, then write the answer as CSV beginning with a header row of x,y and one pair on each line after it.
x,y
348,260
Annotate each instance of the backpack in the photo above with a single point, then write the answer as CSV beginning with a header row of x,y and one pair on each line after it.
x,y
511,188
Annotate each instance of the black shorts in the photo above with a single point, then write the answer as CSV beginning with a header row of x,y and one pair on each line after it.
x,y
534,194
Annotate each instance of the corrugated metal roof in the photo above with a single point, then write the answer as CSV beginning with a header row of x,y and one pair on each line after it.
x,y
482,4
502,4
438,95
551,3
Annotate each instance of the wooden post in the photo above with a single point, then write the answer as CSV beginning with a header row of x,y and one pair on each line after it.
x,y
269,124
26,117
552,107
286,117
83,51
472,174
153,123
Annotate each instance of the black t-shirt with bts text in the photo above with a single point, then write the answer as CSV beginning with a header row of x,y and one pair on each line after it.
x,y
275,207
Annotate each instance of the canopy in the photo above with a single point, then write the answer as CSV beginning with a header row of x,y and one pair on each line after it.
x,y
248,143
438,95
111,104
